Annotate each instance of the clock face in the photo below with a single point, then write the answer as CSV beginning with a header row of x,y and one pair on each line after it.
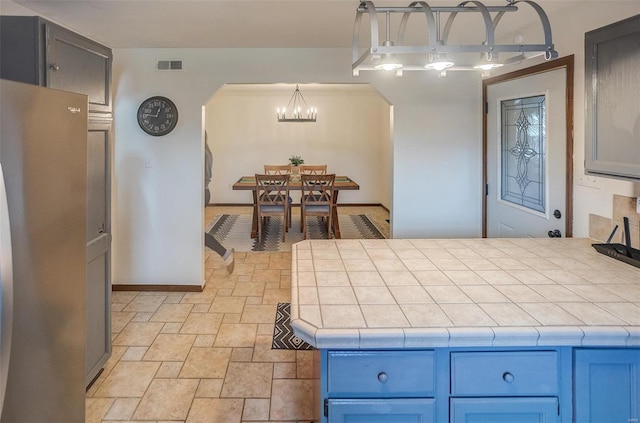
x,y
157,116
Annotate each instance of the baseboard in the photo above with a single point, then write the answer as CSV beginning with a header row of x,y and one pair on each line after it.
x,y
158,288
294,205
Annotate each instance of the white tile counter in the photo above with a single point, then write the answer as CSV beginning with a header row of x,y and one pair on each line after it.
x,y
462,292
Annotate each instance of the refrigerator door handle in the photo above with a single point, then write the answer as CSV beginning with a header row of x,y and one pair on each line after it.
x,y
6,289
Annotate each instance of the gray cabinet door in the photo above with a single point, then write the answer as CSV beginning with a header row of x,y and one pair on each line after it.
x,y
98,249
77,64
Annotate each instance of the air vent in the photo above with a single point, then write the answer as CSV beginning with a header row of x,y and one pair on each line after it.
x,y
169,65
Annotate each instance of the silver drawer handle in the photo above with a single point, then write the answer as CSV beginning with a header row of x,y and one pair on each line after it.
x,y
382,377
508,377
54,67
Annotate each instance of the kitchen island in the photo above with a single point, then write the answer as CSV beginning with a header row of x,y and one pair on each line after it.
x,y
473,330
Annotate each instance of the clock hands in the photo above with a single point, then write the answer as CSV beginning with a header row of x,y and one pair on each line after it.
x,y
146,115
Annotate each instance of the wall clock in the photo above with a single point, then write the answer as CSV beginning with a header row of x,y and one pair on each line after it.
x,y
157,116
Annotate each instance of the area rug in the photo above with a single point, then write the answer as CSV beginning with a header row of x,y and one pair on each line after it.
x,y
234,230
283,337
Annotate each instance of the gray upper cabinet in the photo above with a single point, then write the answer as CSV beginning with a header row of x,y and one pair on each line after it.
x,y
612,84
36,51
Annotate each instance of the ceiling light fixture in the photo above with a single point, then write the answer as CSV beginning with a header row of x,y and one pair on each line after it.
x,y
295,108
435,46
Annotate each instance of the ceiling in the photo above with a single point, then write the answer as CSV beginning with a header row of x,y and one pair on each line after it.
x,y
218,23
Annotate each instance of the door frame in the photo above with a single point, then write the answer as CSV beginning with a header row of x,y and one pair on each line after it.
x,y
563,62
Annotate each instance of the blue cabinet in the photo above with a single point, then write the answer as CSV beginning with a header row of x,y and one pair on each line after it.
x,y
607,385
504,410
407,410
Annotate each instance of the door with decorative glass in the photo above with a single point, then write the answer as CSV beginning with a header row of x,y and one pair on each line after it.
x,y
526,156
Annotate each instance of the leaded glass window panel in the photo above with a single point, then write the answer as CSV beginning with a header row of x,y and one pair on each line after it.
x,y
523,152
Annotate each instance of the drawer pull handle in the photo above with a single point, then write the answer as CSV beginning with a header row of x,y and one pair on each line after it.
x,y
382,377
508,377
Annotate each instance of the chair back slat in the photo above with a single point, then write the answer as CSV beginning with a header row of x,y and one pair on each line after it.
x,y
313,169
317,189
277,169
272,190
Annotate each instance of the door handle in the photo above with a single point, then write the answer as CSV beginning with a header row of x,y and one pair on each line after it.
x,y
555,233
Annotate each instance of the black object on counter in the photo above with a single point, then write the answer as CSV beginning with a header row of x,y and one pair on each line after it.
x,y
620,252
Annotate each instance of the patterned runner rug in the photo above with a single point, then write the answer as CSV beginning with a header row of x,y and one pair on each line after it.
x,y
283,337
234,230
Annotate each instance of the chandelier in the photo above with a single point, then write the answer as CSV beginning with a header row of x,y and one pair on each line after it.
x,y
297,110
434,52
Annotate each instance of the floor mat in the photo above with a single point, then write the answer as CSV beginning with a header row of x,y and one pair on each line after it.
x,y
283,337
233,231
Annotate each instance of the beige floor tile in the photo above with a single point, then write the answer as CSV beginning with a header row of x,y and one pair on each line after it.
x,y
120,319
248,380
284,370
96,408
213,410
128,379
236,335
145,303
134,354
258,314
227,305
170,347
221,347
204,341
262,351
202,323
249,289
270,275
172,313
256,409
292,399
277,295
169,369
167,399
138,334
209,388
208,363
242,354
122,409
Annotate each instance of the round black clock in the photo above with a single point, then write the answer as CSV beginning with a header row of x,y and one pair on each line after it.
x,y
157,116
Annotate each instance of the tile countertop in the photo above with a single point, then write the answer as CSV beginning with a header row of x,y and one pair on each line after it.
x,y
412,293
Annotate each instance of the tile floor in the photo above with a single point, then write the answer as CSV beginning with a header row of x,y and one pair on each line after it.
x,y
206,357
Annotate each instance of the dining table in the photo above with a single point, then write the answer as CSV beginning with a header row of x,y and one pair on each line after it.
x,y
248,183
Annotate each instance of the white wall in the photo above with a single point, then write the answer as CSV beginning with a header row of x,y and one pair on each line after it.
x,y
436,145
350,136
157,213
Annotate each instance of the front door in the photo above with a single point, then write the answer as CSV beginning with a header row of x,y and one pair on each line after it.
x,y
527,170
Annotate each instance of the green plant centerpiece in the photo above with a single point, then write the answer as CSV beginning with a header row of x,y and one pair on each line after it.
x,y
296,160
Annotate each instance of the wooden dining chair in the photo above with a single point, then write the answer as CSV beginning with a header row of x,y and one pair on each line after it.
x,y
317,200
272,193
277,169
313,169
280,170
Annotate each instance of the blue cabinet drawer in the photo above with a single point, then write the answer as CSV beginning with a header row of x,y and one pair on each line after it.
x,y
362,374
408,410
504,373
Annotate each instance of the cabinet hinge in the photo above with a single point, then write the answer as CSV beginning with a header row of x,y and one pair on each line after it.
x,y
486,189
326,407
558,407
486,107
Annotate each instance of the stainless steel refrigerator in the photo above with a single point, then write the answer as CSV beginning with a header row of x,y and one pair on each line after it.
x,y
43,135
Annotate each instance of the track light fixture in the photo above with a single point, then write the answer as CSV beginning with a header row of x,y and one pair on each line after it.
x,y
435,52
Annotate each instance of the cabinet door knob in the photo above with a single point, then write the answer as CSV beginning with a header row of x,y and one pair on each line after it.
x,y
382,377
54,67
508,377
